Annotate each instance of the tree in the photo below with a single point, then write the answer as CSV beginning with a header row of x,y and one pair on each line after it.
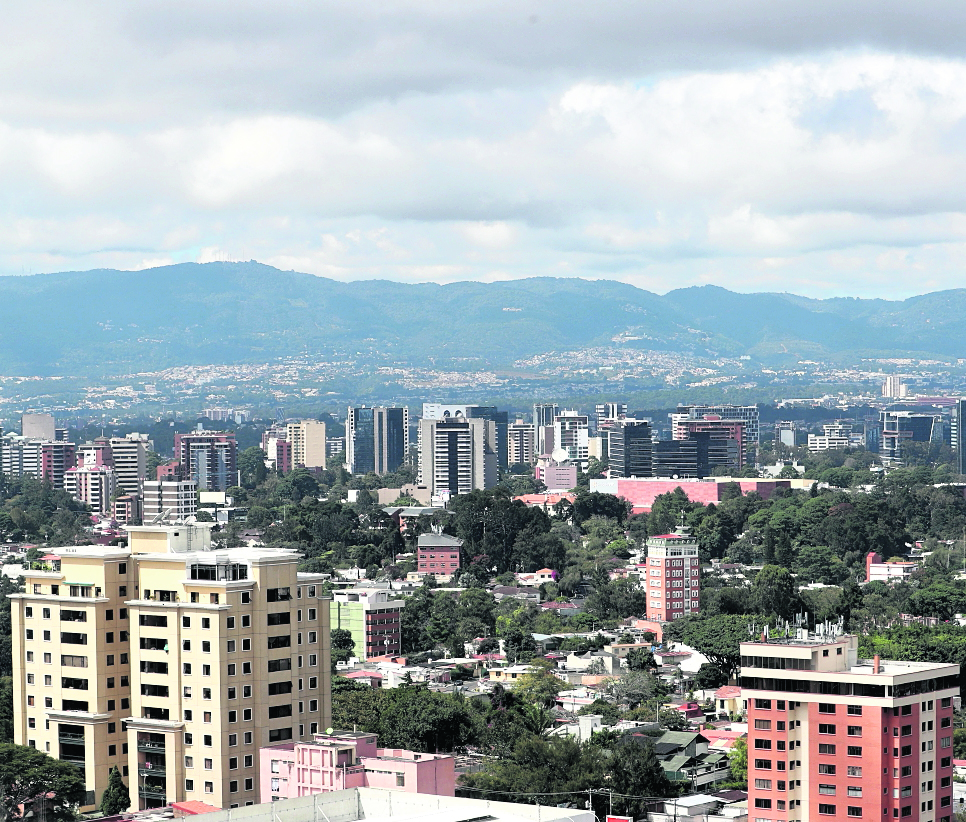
x,y
116,797
28,775
538,686
6,709
341,644
251,466
717,637
636,772
709,677
774,592
640,659
738,761
518,644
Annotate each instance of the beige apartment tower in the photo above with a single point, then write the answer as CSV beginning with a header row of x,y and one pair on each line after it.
x,y
308,443
172,660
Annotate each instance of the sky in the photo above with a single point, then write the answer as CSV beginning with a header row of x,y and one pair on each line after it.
x,y
812,147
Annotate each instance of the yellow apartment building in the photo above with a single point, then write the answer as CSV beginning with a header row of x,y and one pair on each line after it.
x,y
172,660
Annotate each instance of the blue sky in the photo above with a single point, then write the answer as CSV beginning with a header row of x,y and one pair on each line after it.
x,y
816,148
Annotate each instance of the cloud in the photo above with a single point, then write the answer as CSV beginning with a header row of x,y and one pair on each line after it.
x,y
813,148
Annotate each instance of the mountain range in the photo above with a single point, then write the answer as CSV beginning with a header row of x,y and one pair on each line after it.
x,y
111,322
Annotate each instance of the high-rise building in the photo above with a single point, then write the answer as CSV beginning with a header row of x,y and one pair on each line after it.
x,y
171,661
439,411
373,618
571,432
907,426
376,439
38,427
93,480
608,413
748,414
958,433
169,500
831,736
836,435
629,449
683,426
893,387
673,575
457,455
56,458
544,415
785,433
20,456
695,457
130,455
207,458
521,440
308,443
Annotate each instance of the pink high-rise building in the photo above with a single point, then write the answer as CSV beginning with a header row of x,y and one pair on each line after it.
x,y
673,576
350,759
832,737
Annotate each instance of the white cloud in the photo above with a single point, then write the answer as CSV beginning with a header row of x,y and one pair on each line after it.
x,y
490,141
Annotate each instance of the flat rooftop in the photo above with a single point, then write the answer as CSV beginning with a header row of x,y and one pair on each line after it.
x,y
379,804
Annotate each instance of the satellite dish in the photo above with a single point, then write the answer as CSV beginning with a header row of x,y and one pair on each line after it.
x,y
328,730
559,455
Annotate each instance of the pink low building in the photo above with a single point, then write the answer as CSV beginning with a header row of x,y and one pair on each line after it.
x,y
641,492
350,759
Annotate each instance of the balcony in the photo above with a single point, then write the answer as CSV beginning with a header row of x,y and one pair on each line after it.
x,y
148,746
157,770
152,793
73,738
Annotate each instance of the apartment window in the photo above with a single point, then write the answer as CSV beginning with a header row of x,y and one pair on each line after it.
x,y
313,636
826,809
110,659
826,769
907,750
247,715
313,660
233,786
246,597
855,770
206,693
230,622
249,761
124,656
194,596
312,614
209,764
233,716
246,621
232,693
313,705
907,730
313,682
231,669
122,590
207,740
759,803
945,742
205,646
188,739
854,750
188,715
231,646
186,622
854,810
232,739
30,679
29,633
112,750
206,670
186,668
189,761
826,708
247,667
209,787
854,790
946,702
246,644
28,612
763,744
246,691
30,656
48,658
213,599
205,623
279,734
763,764
825,748
186,693
826,729
855,730
247,738
122,613
185,644
125,703
189,784
826,790
249,784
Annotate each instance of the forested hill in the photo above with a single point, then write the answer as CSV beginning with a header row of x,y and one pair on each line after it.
x,y
107,321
